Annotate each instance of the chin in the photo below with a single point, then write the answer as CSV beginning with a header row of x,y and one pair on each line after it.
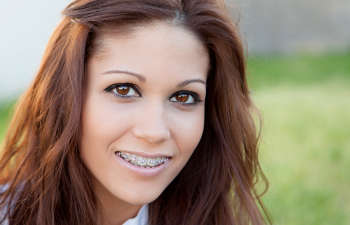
x,y
141,200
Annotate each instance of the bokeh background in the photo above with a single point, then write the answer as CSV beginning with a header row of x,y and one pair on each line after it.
x,y
299,74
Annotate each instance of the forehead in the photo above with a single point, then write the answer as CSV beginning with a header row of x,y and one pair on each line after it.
x,y
154,46
144,31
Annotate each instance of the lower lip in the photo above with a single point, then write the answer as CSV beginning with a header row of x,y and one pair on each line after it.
x,y
147,172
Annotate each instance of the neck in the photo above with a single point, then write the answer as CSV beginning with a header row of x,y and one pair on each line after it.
x,y
116,215
112,210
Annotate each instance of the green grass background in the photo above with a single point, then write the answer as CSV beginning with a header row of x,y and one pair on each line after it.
x,y
305,148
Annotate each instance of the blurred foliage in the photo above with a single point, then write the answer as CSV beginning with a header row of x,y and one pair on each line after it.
x,y
6,110
297,70
305,153
305,150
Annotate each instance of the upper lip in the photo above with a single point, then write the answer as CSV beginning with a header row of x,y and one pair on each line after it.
x,y
145,154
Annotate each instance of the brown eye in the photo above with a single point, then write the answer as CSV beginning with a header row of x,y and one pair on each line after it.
x,y
185,98
123,90
182,98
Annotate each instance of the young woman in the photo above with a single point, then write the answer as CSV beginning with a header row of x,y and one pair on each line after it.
x,y
139,114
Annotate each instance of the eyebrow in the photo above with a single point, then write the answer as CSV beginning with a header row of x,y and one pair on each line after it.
x,y
143,79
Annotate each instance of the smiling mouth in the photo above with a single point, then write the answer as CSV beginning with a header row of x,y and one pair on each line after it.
x,y
144,162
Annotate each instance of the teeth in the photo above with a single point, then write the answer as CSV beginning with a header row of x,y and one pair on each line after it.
x,y
141,161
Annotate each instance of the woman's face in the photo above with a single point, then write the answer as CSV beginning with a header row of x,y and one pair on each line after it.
x,y
143,112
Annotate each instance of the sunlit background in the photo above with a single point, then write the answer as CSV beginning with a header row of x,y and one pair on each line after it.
x,y
299,73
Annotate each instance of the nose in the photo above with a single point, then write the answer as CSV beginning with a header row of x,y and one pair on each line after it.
x,y
151,126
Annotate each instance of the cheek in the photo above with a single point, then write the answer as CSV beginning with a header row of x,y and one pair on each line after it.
x,y
187,129
103,121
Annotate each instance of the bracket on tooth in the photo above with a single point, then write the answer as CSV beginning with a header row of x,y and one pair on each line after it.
x,y
140,161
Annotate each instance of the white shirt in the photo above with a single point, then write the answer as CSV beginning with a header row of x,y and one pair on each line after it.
x,y
140,219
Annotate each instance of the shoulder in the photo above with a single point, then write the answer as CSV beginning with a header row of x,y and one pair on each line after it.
x,y
3,187
3,210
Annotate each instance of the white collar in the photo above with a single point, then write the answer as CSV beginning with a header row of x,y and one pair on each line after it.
x,y
140,219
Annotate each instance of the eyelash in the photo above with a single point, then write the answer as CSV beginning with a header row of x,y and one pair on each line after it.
x,y
113,87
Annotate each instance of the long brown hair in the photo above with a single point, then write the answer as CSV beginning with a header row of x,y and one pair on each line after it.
x,y
45,181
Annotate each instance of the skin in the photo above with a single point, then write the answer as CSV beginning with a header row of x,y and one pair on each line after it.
x,y
155,120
